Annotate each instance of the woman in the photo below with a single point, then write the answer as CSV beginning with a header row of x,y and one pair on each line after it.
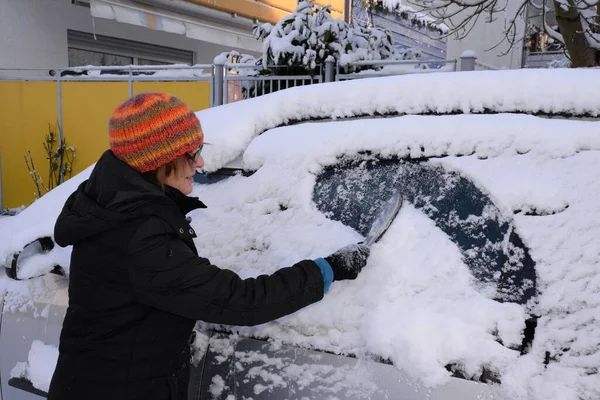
x,y
137,284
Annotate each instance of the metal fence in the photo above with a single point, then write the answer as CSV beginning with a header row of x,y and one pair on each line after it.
x,y
484,66
242,81
231,82
129,74
543,58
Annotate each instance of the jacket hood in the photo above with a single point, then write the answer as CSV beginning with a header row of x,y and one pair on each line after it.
x,y
114,194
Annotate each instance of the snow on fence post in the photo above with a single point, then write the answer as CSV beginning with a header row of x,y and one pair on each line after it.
x,y
467,60
329,69
218,81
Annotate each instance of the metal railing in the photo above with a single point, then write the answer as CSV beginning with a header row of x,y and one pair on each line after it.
x,y
244,81
231,82
483,66
129,74
543,58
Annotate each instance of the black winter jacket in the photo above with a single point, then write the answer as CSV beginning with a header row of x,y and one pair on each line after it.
x,y
137,285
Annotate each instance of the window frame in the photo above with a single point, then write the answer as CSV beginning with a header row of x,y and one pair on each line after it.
x,y
128,48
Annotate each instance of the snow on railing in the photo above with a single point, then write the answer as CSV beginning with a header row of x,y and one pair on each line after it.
x,y
394,67
232,82
485,66
244,81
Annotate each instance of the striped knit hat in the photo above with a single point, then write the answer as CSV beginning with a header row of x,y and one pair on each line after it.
x,y
152,129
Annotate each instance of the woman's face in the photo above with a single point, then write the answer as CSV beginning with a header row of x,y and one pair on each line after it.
x,y
183,178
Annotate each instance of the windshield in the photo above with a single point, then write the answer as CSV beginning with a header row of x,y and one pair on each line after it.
x,y
353,192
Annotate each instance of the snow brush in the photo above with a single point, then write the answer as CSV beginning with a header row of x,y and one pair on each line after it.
x,y
388,212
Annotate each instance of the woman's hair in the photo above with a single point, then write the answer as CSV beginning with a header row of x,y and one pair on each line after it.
x,y
172,167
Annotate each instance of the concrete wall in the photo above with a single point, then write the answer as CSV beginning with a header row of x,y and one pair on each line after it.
x,y
486,35
34,34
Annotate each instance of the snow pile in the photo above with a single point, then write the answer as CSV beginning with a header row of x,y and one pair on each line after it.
x,y
39,366
529,91
417,307
43,213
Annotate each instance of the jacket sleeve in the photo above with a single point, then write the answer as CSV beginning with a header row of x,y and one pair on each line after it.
x,y
168,275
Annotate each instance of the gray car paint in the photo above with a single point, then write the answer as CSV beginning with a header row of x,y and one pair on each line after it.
x,y
1,313
21,326
242,370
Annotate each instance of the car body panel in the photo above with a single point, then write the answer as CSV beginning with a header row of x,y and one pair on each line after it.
x,y
2,366
246,367
39,320
250,368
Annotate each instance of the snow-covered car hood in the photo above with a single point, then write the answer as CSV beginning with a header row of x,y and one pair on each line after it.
x,y
415,303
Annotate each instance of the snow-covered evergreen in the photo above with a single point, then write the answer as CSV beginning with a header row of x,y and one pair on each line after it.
x,y
310,35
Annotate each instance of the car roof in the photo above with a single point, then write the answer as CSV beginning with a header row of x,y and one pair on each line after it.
x,y
550,92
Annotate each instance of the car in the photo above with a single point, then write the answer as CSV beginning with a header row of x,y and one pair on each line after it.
x,y
484,286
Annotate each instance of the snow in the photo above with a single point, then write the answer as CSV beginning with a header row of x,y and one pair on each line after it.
x,y
310,35
524,162
39,367
152,71
401,8
557,91
217,386
469,54
43,214
417,307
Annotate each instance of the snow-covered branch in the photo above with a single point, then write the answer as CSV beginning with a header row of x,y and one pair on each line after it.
x,y
310,35
590,22
547,28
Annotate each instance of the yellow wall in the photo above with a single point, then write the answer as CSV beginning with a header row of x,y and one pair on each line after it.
x,y
26,109
86,109
267,10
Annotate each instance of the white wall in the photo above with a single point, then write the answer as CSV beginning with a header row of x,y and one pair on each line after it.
x,y
486,35
33,34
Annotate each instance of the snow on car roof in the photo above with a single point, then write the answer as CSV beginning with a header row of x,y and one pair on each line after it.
x,y
415,302
413,305
547,91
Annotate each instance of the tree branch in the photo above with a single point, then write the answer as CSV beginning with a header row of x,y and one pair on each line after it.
x,y
548,29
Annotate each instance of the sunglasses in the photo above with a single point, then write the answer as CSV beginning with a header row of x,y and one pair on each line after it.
x,y
193,155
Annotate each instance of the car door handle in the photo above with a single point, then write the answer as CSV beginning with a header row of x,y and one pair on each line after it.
x,y
26,385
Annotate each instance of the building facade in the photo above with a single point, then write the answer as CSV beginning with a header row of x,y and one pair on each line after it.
x,y
67,33
408,28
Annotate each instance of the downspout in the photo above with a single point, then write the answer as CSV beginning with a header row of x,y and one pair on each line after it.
x,y
348,11
1,204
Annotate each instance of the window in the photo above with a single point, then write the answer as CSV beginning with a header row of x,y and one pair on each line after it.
x,y
78,57
353,192
87,49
